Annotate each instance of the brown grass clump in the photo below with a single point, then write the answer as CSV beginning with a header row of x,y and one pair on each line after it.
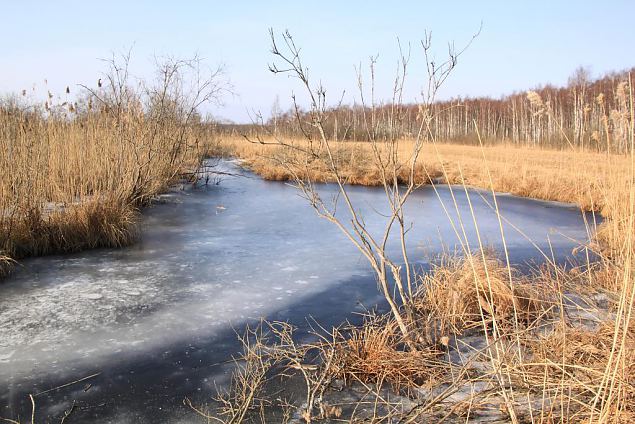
x,y
286,164
586,347
375,352
468,292
88,225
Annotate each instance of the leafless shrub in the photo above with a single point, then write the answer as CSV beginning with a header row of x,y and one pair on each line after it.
x,y
321,151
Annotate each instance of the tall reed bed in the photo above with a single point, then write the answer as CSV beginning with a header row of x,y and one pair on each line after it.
x,y
73,173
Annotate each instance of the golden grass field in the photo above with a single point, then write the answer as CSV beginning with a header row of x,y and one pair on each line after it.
x,y
576,177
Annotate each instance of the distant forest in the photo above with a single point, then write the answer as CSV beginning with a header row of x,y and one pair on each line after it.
x,y
587,113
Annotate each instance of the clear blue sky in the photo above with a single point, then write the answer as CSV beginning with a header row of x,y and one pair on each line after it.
x,y
522,44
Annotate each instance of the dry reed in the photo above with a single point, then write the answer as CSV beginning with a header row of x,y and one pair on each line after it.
x,y
73,175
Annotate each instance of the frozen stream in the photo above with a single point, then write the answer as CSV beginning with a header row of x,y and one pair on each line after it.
x,y
156,318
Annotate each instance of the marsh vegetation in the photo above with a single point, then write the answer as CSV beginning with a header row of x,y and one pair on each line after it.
x,y
473,336
76,169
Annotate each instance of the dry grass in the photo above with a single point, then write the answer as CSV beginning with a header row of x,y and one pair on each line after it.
x,y
563,371
463,293
67,186
491,347
374,352
576,177
72,175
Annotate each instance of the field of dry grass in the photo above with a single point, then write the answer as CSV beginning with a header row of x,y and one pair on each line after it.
x,y
577,177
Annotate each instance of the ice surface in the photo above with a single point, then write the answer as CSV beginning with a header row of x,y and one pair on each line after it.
x,y
213,258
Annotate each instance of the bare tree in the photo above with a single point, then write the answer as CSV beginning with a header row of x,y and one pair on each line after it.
x,y
397,168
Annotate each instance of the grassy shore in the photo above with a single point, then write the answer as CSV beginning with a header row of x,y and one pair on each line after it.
x,y
74,173
67,185
552,346
579,177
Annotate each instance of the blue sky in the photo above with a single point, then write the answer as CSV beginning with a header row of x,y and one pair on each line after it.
x,y
522,44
